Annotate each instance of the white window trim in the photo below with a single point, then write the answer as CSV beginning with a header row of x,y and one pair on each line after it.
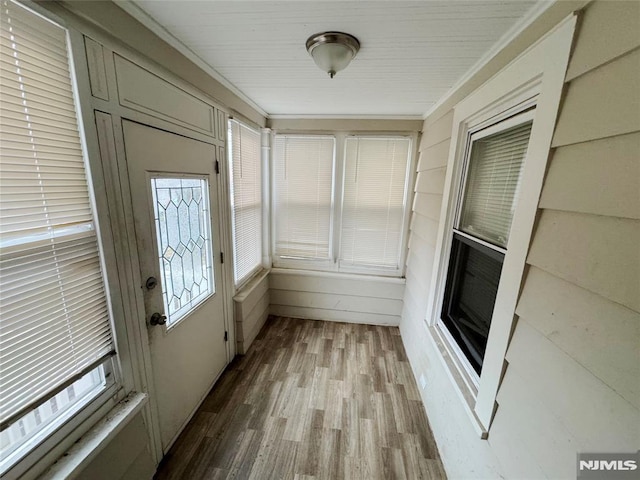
x,y
125,366
534,78
333,264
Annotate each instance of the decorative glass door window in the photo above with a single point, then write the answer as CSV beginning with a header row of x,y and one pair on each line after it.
x,y
183,234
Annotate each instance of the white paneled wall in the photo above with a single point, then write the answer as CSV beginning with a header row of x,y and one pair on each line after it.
x,y
336,297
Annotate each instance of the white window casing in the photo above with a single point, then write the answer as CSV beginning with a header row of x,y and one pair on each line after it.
x,y
534,79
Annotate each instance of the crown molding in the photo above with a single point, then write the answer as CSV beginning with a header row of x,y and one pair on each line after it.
x,y
148,21
531,16
345,117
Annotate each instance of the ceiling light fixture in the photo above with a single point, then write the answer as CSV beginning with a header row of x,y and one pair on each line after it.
x,y
332,51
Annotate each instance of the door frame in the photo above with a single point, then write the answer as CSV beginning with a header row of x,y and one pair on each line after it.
x,y
112,147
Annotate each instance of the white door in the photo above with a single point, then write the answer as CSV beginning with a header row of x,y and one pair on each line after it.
x,y
175,204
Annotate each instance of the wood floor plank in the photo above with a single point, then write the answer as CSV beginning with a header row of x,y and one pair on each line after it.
x,y
311,400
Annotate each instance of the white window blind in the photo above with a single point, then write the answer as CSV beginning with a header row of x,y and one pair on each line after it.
x,y
303,181
54,323
373,205
492,184
246,199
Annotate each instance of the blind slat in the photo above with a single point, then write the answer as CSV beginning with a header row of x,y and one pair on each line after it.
x,y
246,197
493,180
55,318
373,205
303,181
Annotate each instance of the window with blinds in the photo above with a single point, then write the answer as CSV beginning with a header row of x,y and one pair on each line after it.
x,y
246,199
480,238
303,169
492,184
55,324
374,200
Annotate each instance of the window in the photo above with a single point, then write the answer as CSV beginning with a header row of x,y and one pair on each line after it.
x,y
481,234
373,202
55,331
181,213
246,200
303,183
341,209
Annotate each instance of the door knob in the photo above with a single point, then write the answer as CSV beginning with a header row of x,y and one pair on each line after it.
x,y
151,283
158,319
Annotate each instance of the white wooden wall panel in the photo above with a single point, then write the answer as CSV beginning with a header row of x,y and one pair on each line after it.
x,y
251,308
591,51
334,315
587,409
141,90
97,70
435,156
428,204
604,103
576,320
598,253
247,330
541,433
341,285
332,301
436,131
336,297
425,228
601,177
431,181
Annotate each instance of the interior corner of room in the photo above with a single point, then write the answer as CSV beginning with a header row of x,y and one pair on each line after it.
x,y
379,239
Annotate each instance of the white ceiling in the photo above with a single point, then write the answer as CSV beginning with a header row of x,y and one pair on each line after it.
x,y
412,52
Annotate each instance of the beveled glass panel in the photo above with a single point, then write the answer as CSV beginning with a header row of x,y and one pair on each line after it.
x,y
183,235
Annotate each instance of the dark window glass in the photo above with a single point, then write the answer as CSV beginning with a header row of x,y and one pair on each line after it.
x,y
470,295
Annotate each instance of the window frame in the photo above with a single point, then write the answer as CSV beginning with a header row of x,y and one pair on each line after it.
x,y
124,365
534,79
513,117
333,264
241,282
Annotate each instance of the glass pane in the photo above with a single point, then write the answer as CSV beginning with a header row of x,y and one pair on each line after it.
x,y
470,296
183,230
24,434
493,182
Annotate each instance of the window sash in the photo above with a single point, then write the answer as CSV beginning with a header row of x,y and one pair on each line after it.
x,y
493,177
56,323
246,199
304,179
374,201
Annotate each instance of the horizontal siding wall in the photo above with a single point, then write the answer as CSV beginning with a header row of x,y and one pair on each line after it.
x,y
251,309
573,378
574,360
336,297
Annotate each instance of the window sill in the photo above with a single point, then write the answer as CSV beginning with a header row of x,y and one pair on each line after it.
x,y
245,289
74,460
465,393
326,274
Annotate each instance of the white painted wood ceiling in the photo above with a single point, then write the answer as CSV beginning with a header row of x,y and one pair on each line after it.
x,y
412,52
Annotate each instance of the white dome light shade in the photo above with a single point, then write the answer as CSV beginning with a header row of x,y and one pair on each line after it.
x,y
332,51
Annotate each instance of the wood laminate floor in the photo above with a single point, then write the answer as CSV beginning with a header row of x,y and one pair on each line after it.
x,y
311,400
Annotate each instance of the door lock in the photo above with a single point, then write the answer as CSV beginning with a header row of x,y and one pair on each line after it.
x,y
158,319
151,283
